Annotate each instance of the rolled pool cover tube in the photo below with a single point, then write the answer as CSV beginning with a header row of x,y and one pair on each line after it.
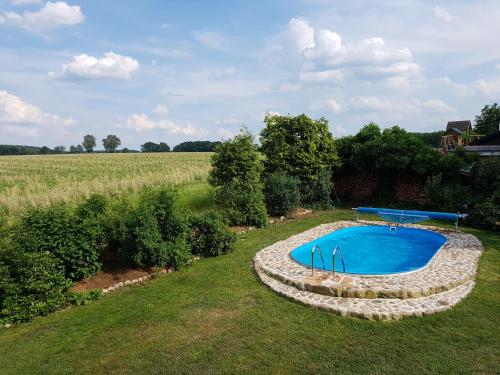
x,y
429,214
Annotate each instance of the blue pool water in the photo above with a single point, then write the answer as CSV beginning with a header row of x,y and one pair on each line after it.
x,y
373,250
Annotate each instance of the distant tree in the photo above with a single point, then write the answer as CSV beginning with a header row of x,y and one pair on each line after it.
x,y
72,149
45,150
111,142
125,150
489,120
153,147
163,147
196,146
89,143
149,147
79,149
59,149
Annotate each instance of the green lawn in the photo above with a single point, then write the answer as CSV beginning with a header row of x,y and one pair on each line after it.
x,y
216,317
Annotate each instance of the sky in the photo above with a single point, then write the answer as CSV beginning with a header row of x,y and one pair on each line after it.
x,y
173,71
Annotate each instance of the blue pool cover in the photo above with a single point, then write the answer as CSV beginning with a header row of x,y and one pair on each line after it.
x,y
408,216
373,250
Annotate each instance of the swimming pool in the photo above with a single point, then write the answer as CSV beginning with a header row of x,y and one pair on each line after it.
x,y
373,250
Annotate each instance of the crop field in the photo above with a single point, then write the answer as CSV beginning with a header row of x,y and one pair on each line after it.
x,y
27,181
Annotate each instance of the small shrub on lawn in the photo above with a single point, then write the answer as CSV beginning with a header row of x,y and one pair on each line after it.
x,y
210,235
153,233
281,193
82,298
31,284
74,237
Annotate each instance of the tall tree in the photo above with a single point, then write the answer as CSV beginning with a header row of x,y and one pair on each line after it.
x,y
235,175
489,120
60,149
111,142
89,143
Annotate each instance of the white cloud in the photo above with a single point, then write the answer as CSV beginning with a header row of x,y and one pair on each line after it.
x,y
22,2
228,121
498,66
21,131
210,39
160,109
301,34
331,104
111,65
226,134
50,16
442,14
13,110
368,59
437,106
489,88
222,74
141,122
322,76
370,103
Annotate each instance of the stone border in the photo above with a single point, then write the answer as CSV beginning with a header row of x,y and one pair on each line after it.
x,y
372,309
453,265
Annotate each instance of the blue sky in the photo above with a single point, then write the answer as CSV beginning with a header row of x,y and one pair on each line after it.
x,y
188,70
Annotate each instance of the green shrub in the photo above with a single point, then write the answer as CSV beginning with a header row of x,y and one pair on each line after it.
x,y
486,214
153,233
318,191
281,193
235,175
82,298
74,237
447,196
210,235
31,284
241,205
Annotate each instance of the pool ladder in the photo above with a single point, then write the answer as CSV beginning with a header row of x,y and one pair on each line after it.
x,y
334,252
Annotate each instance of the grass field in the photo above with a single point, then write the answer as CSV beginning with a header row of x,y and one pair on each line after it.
x,y
43,180
215,317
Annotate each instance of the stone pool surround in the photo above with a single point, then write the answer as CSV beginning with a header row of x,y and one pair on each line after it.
x,y
445,280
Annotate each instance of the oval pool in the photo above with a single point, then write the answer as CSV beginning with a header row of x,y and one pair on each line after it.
x,y
373,250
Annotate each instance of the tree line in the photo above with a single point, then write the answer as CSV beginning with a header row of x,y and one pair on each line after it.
x,y
110,144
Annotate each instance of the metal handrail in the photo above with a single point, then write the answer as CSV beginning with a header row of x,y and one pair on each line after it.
x,y
316,246
334,252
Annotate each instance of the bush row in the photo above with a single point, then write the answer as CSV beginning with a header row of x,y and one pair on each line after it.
x,y
46,250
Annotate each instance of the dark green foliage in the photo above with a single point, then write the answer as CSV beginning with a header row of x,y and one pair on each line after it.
x,y
210,235
235,175
74,237
486,213
23,150
152,233
31,284
196,146
489,120
82,298
447,196
432,139
153,147
318,191
281,193
391,151
111,142
89,143
297,146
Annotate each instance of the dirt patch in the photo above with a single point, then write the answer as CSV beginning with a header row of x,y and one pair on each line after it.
x,y
109,276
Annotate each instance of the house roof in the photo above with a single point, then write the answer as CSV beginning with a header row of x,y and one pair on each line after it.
x,y
459,125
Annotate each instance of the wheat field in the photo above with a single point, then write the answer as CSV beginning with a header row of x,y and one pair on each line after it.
x,y
27,181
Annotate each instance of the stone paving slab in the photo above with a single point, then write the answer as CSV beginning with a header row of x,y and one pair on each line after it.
x,y
373,309
454,265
